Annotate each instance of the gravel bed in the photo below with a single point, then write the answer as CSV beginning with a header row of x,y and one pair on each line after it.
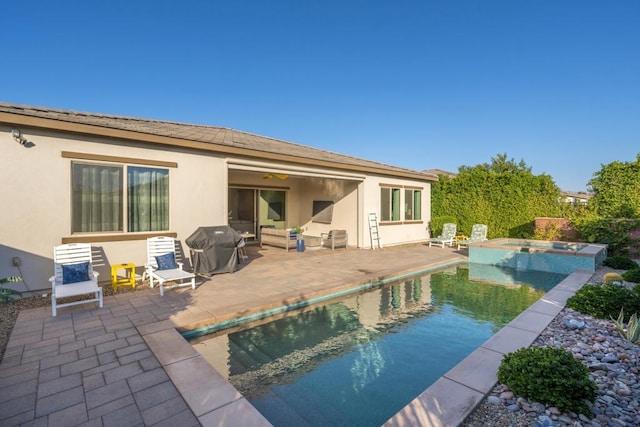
x,y
614,365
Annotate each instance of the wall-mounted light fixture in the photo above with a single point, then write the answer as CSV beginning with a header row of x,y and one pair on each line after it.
x,y
17,135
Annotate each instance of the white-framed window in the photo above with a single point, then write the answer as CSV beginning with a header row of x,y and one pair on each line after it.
x,y
412,204
400,204
116,197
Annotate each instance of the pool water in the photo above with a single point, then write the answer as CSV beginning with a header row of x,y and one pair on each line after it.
x,y
358,361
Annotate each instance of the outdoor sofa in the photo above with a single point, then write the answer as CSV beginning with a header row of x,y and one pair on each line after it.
x,y
277,237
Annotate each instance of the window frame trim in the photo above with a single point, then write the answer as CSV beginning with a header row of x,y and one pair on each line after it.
x,y
401,187
117,159
124,162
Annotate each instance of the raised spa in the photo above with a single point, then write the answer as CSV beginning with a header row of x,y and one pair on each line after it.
x,y
539,255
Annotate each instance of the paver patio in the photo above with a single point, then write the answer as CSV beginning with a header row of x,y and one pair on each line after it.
x,y
126,364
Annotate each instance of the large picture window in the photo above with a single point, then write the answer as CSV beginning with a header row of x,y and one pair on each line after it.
x,y
389,204
99,192
412,204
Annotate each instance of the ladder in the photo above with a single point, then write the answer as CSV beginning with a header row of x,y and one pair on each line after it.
x,y
374,231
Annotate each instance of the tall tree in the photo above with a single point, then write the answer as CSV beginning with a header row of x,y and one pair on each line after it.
x,y
616,190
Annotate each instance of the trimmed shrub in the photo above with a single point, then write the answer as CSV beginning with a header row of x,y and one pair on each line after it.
x,y
550,376
632,275
605,301
620,262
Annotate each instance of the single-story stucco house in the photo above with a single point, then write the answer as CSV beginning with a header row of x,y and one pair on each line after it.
x,y
114,181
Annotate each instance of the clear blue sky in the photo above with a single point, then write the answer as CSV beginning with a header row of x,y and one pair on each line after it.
x,y
418,84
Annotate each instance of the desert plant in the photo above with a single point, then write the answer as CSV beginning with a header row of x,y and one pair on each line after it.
x,y
548,375
612,277
632,330
7,294
632,275
604,301
620,262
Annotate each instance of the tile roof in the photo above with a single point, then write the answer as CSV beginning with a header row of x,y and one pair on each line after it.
x,y
214,135
438,172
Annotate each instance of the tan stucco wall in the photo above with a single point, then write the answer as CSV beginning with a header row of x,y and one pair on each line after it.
x,y
345,198
36,191
36,213
395,234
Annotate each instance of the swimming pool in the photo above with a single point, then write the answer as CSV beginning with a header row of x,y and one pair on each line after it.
x,y
359,360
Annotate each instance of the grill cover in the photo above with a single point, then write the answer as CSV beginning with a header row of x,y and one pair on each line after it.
x,y
214,249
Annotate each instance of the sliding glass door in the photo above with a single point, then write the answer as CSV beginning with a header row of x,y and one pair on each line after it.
x,y
242,210
251,208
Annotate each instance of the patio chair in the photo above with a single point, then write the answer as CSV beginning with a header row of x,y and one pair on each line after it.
x,y
334,239
478,234
163,267
73,276
447,236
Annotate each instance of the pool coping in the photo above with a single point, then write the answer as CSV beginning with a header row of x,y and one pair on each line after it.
x,y
450,400
587,250
446,403
271,311
211,397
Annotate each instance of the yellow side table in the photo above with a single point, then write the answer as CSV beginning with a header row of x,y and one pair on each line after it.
x,y
459,238
129,278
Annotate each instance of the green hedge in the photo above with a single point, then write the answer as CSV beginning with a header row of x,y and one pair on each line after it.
x,y
504,194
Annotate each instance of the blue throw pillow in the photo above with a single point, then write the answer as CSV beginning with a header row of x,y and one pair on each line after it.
x,y
166,261
74,273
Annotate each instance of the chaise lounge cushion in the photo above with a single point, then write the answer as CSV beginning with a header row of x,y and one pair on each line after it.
x,y
74,273
166,261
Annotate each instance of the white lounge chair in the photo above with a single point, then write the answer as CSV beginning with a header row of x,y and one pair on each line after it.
x,y
73,275
478,234
447,236
163,267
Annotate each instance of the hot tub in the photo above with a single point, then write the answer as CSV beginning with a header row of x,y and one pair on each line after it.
x,y
539,255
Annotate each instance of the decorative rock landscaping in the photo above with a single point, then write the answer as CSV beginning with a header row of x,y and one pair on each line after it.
x,y
614,365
